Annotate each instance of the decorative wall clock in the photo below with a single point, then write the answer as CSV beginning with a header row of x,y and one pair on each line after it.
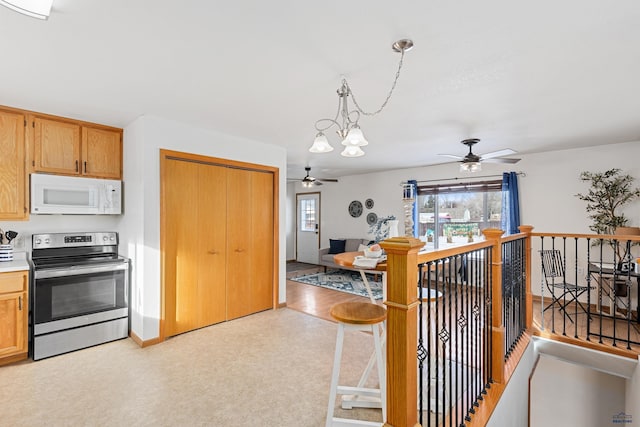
x,y
355,209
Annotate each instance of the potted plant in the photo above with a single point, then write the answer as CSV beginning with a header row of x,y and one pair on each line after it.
x,y
609,192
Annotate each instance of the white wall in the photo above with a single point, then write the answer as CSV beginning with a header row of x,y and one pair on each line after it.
x,y
513,408
140,226
566,394
632,394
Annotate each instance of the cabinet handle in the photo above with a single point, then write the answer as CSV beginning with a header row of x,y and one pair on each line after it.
x,y
76,166
20,303
85,167
213,252
239,250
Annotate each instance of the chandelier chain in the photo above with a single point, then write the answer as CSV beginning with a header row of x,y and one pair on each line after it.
x,y
384,104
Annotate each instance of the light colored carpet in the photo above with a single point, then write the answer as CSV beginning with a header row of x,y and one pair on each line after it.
x,y
269,369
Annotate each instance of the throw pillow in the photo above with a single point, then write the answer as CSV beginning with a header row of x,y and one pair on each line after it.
x,y
336,246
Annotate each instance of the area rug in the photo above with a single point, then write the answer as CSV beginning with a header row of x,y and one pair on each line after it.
x,y
344,281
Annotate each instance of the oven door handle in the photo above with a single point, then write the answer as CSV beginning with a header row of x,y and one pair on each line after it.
x,y
78,270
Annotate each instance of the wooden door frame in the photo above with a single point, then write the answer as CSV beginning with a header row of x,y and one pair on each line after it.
x,y
319,193
166,155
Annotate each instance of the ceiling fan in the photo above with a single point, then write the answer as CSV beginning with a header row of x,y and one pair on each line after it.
x,y
471,162
309,181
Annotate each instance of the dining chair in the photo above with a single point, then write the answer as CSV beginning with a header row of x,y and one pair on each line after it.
x,y
553,271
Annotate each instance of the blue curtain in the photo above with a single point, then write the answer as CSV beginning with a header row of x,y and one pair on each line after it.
x,y
510,218
414,184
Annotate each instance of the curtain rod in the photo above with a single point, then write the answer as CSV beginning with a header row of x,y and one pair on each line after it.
x,y
522,174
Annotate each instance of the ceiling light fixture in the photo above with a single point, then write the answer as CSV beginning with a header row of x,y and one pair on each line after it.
x,y
348,129
470,167
34,8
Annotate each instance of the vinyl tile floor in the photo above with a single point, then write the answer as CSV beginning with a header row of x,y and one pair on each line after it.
x,y
268,369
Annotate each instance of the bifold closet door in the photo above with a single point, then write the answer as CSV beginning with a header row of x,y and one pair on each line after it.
x,y
249,242
194,259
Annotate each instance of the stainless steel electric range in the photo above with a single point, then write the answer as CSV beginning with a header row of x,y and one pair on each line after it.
x,y
79,292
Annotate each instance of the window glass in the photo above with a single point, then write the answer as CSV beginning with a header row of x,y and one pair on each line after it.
x,y
455,215
307,215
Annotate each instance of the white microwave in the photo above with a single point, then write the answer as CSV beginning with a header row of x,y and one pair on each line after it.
x,y
55,194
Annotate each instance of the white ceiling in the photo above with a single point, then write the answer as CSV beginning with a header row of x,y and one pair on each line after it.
x,y
532,77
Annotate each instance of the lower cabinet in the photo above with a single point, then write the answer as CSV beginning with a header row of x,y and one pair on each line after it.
x,y
14,308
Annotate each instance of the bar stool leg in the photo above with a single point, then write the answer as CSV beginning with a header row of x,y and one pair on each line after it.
x,y
381,370
337,359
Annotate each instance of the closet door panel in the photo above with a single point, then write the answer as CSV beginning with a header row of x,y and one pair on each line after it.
x,y
212,248
239,257
181,254
261,214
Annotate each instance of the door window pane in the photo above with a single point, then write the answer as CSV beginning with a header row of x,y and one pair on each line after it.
x,y
307,215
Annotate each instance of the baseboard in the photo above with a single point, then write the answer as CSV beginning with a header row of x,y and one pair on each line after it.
x,y
142,343
282,305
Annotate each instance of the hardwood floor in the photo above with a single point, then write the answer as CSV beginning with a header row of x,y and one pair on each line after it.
x,y
314,300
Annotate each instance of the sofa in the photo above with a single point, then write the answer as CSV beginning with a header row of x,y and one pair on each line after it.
x,y
325,255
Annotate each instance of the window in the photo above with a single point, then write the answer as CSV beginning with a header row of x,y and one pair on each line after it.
x,y
307,215
451,215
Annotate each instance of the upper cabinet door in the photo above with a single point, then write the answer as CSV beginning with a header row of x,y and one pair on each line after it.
x,y
56,147
101,153
12,176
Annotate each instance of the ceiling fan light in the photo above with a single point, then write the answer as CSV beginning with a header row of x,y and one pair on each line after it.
x,y
39,9
321,144
355,137
352,151
470,167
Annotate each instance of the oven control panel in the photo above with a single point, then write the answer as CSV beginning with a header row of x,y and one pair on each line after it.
x,y
62,240
78,239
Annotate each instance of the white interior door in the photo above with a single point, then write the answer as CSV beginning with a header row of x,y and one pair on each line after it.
x,y
307,227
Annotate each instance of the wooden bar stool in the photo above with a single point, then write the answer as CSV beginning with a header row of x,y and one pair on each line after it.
x,y
363,316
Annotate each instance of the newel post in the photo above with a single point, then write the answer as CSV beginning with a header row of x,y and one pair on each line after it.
x,y
528,296
493,235
402,330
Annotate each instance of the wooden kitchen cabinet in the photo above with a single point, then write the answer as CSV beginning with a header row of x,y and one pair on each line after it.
x,y
13,316
101,153
13,205
56,146
76,148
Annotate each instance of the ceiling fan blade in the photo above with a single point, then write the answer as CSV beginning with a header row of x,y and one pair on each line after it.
x,y
452,156
501,160
498,153
326,179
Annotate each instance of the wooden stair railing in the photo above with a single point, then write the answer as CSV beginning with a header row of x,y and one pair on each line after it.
x,y
402,303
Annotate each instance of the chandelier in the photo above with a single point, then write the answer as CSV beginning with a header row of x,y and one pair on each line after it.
x,y
347,121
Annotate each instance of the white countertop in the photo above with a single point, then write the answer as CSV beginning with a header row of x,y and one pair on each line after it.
x,y
19,263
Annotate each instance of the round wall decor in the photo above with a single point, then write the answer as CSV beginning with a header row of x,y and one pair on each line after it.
x,y
372,218
368,203
355,209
